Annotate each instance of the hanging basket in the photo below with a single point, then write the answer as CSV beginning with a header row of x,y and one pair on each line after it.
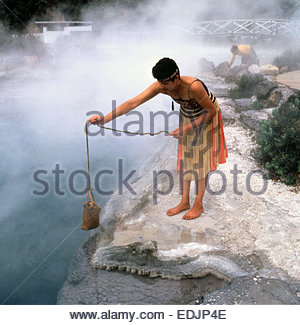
x,y
91,211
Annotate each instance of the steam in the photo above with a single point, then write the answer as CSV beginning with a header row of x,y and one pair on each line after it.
x,y
86,73
43,108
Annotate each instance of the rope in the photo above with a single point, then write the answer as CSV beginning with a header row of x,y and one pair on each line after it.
x,y
137,133
90,192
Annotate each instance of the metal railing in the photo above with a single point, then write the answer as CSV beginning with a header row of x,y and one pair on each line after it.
x,y
247,27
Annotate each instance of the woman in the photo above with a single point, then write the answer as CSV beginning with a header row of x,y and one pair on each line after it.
x,y
200,134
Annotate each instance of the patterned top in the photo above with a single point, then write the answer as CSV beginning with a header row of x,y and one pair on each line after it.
x,y
190,107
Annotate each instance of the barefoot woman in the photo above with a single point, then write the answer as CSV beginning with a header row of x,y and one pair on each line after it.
x,y
200,134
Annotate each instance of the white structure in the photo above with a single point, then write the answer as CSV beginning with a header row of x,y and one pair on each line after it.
x,y
52,30
246,27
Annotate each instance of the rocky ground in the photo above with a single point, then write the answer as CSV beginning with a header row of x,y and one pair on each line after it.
x,y
246,241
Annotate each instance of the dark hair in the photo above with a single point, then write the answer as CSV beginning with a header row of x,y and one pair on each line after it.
x,y
164,68
233,48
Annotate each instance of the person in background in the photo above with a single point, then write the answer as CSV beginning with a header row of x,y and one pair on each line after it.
x,y
247,54
201,141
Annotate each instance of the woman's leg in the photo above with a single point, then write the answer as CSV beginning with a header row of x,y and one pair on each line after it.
x,y
197,208
185,199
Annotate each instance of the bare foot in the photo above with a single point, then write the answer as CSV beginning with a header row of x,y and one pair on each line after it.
x,y
194,213
180,207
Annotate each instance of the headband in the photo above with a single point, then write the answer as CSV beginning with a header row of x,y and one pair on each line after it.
x,y
171,76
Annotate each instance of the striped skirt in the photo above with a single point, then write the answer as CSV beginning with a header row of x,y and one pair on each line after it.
x,y
200,151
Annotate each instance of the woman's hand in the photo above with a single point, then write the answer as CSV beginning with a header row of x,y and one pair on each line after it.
x,y
179,132
96,120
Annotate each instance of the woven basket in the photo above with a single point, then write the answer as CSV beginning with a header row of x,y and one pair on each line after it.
x,y
91,211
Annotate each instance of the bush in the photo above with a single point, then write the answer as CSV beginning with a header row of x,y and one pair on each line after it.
x,y
4,36
246,86
279,142
288,58
257,105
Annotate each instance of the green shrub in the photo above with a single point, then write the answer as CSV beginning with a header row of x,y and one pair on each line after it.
x,y
234,93
246,86
4,37
288,58
257,105
279,142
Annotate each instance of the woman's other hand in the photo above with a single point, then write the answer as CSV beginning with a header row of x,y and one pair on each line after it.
x,y
179,132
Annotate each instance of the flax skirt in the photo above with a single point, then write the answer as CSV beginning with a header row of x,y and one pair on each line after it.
x,y
203,149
